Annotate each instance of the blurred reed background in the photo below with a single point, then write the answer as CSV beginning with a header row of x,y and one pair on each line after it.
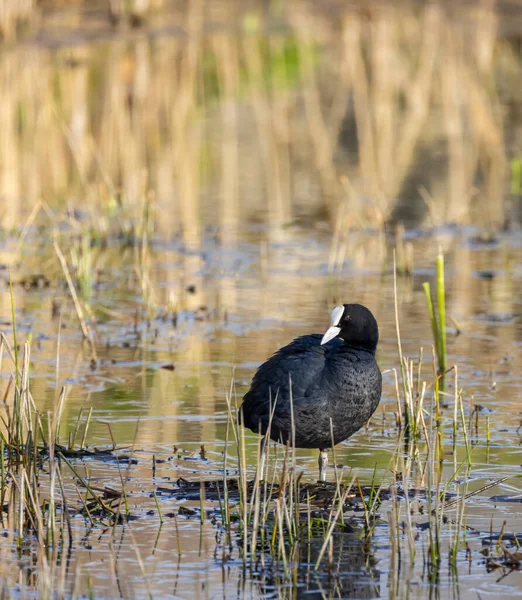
x,y
220,113
195,183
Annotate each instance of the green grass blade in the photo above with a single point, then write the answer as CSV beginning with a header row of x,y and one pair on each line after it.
x,y
441,301
433,319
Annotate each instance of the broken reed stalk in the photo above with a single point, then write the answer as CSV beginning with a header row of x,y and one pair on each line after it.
x,y
84,437
86,331
75,432
239,436
13,317
333,522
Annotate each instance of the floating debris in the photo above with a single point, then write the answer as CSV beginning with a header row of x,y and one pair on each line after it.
x,y
168,367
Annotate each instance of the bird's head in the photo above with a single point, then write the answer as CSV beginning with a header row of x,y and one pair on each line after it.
x,y
355,324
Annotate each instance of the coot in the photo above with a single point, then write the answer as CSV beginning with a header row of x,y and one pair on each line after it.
x,y
332,381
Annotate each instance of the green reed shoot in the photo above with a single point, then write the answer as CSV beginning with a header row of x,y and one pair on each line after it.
x,y
438,318
441,300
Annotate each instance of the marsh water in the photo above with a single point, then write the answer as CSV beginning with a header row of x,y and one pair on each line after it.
x,y
206,190
241,305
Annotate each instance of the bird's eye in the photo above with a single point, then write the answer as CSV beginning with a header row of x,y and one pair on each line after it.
x,y
347,318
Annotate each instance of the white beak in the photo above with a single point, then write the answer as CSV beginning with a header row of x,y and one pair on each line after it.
x,y
330,334
334,329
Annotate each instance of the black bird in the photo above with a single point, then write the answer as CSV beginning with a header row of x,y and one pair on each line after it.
x,y
332,383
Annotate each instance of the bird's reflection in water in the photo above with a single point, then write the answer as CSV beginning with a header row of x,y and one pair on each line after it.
x,y
348,570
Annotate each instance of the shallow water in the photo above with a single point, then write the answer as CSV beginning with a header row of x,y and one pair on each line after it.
x,y
252,308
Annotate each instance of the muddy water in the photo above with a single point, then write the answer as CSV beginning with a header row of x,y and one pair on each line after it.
x,y
161,387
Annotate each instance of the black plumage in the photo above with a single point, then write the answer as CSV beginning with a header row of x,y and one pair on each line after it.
x,y
332,383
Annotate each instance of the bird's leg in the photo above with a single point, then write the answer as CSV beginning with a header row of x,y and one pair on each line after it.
x,y
323,463
262,454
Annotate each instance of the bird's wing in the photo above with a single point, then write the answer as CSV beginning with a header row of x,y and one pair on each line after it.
x,y
302,363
